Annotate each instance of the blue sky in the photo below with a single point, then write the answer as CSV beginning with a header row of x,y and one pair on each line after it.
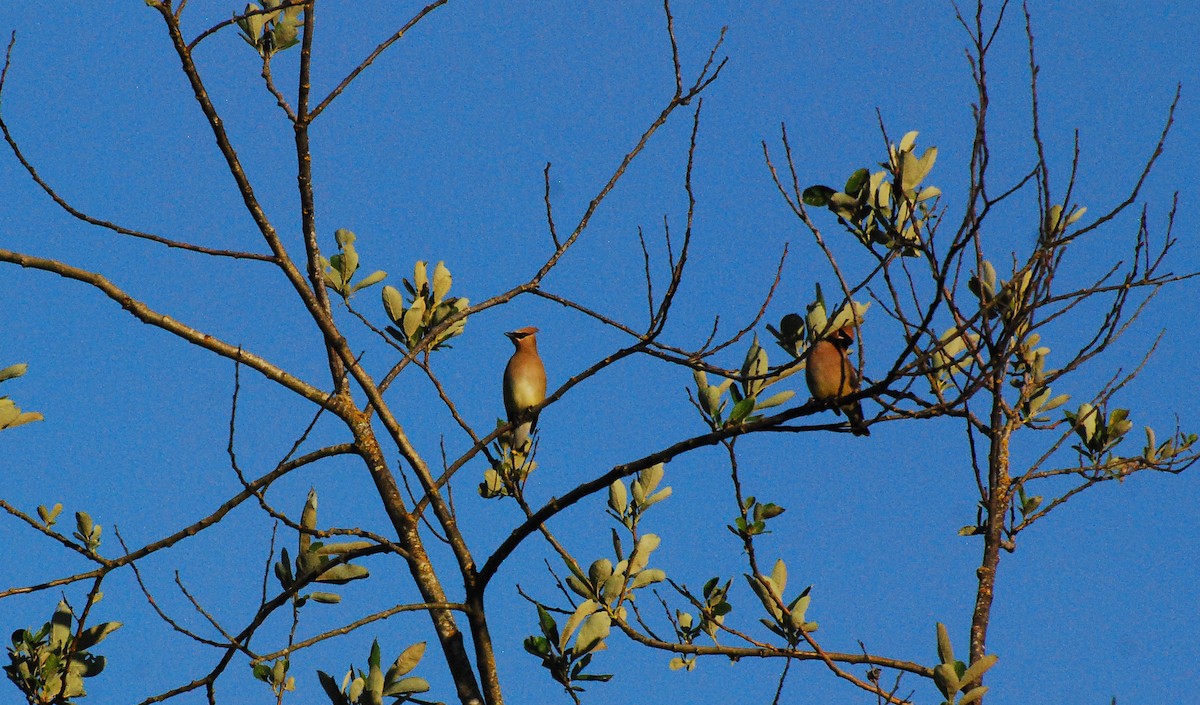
x,y
436,153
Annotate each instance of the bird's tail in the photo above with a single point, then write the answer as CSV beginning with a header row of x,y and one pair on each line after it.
x,y
520,436
854,413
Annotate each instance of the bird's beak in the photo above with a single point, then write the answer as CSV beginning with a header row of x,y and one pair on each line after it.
x,y
511,335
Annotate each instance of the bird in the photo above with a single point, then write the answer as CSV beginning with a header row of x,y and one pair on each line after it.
x,y
524,385
831,376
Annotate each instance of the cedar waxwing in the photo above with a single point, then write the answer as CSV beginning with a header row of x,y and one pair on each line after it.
x,y
524,384
830,376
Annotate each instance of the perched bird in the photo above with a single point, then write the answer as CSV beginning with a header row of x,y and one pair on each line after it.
x,y
831,376
524,384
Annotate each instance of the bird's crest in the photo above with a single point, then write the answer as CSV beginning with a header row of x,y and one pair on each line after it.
x,y
843,337
518,334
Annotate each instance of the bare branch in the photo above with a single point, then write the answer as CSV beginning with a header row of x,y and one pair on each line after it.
x,y
372,56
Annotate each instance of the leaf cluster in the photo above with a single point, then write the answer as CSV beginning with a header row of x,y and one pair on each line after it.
x,y
951,675
1099,433
510,468
426,309
11,415
712,616
49,665
754,378
340,269
565,663
273,31
86,530
895,212
755,515
313,559
276,675
786,619
371,686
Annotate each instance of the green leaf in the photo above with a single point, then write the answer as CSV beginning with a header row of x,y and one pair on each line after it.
x,y
60,624
657,497
412,684
537,645
342,574
334,549
791,325
73,686
770,511
547,624
600,571
946,680
944,649
610,589
308,519
779,577
326,598
843,204
741,410
285,31
333,277
928,159
332,691
798,610
370,280
441,282
648,577
13,371
49,515
850,313
349,263
83,522
86,665
374,684
414,317
856,181
94,635
642,550
578,586
420,278
618,498
283,570
775,400
973,695
279,671
978,668
928,192
406,661
817,196
393,303
252,26
582,612
11,416
357,686
1055,402
593,633
650,477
